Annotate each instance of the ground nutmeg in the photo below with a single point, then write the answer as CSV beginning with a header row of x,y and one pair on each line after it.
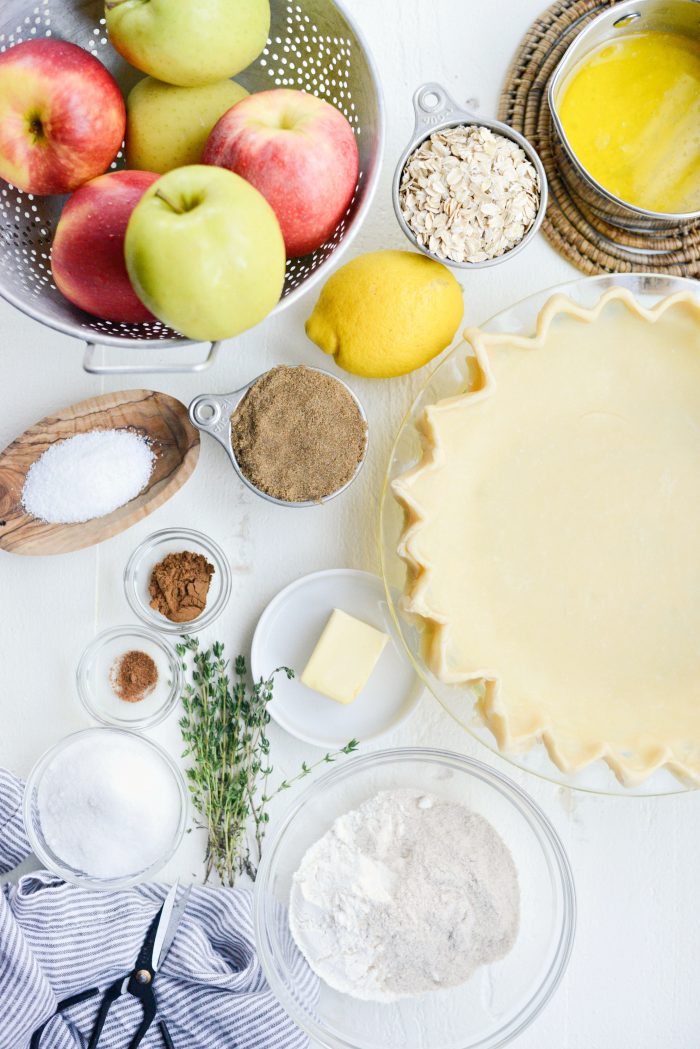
x,y
133,676
298,434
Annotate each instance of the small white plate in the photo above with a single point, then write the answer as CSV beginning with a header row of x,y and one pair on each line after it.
x,y
286,635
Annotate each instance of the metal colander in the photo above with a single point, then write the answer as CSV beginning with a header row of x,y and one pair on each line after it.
x,y
313,45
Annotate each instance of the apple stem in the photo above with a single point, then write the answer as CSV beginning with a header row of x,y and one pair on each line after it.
x,y
169,201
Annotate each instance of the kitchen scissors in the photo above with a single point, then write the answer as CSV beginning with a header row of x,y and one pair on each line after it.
x,y
138,982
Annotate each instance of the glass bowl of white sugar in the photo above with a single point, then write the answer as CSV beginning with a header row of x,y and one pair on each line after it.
x,y
414,897
105,808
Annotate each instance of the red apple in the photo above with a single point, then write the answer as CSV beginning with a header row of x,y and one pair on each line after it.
x,y
299,152
62,117
87,256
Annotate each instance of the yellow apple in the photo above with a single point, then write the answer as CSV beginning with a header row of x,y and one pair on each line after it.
x,y
188,42
205,253
168,126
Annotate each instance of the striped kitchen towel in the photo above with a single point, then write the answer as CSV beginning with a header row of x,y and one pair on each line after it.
x,y
57,940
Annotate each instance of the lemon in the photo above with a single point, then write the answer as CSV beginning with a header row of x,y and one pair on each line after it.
x,y
387,313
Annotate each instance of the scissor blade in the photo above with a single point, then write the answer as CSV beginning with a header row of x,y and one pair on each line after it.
x,y
171,915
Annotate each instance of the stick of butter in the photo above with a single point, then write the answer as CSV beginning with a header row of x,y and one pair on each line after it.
x,y
345,655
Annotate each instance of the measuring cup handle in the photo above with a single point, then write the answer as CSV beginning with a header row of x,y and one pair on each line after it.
x,y
90,365
432,105
206,413
211,413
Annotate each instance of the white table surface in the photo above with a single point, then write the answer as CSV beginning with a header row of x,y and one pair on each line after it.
x,y
632,981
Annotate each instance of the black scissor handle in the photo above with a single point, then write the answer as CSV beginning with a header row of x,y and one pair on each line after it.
x,y
110,996
167,1040
148,1003
74,999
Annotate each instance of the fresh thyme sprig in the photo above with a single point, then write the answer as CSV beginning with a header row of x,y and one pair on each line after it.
x,y
224,731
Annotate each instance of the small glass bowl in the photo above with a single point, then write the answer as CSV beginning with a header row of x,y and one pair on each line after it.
x,y
500,1000
137,576
95,689
32,819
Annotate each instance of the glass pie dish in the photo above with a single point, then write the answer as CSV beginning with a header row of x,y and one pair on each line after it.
x,y
453,377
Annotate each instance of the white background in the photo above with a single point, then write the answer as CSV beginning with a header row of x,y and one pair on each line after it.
x,y
633,979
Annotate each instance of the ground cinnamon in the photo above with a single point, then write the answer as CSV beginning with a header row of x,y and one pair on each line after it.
x,y
179,585
133,676
298,434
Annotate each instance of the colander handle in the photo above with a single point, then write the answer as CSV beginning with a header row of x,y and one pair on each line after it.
x,y
433,105
93,368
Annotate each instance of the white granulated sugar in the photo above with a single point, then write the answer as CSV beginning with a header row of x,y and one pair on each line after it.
x,y
87,476
406,894
468,194
108,807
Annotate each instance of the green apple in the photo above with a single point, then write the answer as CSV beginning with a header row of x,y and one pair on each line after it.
x,y
186,42
168,126
205,253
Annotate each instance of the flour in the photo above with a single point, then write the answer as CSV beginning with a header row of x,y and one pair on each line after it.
x,y
406,894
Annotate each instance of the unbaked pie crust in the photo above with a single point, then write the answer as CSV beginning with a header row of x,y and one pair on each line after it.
x,y
552,535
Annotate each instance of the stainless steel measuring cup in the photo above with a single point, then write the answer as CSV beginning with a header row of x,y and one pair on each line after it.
x,y
211,413
435,110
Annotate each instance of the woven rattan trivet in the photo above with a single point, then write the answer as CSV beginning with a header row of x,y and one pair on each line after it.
x,y
587,241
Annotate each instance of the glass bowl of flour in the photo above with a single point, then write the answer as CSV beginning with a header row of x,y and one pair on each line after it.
x,y
414,897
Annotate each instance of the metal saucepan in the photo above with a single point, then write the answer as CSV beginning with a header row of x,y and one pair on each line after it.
x,y
632,16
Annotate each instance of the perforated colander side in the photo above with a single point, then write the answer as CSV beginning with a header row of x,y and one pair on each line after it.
x,y
312,46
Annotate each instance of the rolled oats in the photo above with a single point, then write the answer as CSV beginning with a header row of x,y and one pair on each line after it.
x,y
469,194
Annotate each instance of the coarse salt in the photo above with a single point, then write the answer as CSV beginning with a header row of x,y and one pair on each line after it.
x,y
108,807
87,476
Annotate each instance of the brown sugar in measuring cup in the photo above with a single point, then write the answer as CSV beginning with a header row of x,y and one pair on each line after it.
x,y
298,434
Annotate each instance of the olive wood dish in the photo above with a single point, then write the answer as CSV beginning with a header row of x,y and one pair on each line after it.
x,y
211,413
160,418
